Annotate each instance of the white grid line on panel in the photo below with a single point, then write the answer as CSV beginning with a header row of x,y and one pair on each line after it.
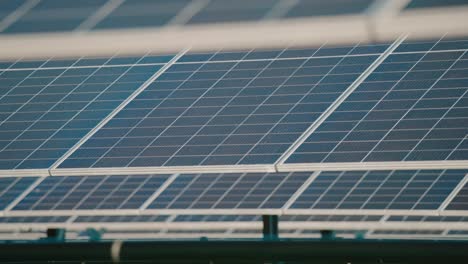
x,y
160,190
205,190
411,108
297,103
229,190
454,193
301,190
458,145
338,102
90,192
99,15
48,111
227,103
136,190
280,9
375,105
117,110
186,13
75,186
24,194
148,114
351,190
17,14
17,85
273,192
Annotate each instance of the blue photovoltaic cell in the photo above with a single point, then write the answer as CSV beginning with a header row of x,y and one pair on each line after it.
x,y
460,201
34,219
225,108
55,15
308,8
48,106
92,192
435,3
11,188
413,107
232,11
404,189
6,7
121,218
142,13
229,190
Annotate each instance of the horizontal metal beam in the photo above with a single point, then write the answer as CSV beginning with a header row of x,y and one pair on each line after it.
x,y
164,170
387,165
429,23
233,211
247,225
24,172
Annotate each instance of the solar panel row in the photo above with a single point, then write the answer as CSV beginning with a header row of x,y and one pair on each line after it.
x,y
371,190
60,15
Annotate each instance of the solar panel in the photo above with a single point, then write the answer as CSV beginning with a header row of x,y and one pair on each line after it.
x,y
11,187
91,192
413,107
48,106
229,190
226,108
65,16
386,190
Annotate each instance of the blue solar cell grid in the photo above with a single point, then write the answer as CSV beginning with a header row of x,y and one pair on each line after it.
x,y
121,218
460,201
33,219
410,190
309,8
226,108
230,190
413,107
68,15
142,13
55,15
11,188
92,192
48,106
228,11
